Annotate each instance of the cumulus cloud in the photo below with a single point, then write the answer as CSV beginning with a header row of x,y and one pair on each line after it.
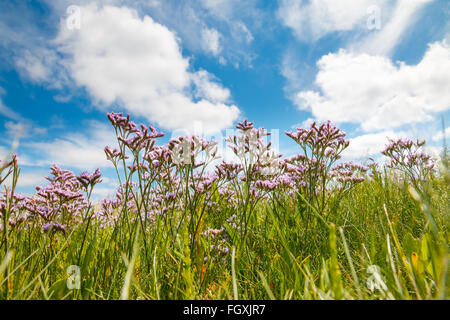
x,y
207,87
123,59
119,57
377,94
370,145
210,26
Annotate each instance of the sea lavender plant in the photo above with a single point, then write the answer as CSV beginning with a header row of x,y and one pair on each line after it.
x,y
256,162
61,201
322,146
407,156
192,156
137,175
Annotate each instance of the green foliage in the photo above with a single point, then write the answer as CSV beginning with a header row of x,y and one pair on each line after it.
x,y
382,240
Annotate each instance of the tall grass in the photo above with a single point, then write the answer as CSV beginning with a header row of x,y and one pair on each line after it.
x,y
386,238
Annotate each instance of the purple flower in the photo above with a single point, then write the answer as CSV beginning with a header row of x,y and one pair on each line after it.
x,y
53,228
245,125
406,155
87,179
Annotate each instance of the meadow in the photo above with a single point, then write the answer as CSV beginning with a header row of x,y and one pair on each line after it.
x,y
186,225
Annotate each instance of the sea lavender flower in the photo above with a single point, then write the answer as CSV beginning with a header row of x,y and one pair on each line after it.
x,y
321,147
348,174
61,201
407,156
245,125
114,154
228,170
186,150
53,228
249,146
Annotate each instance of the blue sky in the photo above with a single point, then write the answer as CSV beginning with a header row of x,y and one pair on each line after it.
x,y
376,68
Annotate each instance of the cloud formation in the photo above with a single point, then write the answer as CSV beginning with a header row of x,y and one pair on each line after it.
x,y
384,41
370,145
311,20
81,150
377,94
123,59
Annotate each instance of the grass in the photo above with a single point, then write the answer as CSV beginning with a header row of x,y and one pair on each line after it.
x,y
384,237
381,241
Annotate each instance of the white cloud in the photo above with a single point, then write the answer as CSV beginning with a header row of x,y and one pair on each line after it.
x,y
368,145
243,32
120,58
28,179
23,129
385,40
101,192
311,20
220,8
440,136
299,74
377,24
3,153
435,152
8,112
195,21
233,20
31,179
37,65
304,124
211,40
375,93
307,123
206,87
74,150
19,127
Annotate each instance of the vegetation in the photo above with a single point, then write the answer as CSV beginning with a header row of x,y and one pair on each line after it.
x,y
184,227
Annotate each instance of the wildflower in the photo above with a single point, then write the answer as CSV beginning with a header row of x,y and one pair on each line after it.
x,y
322,146
53,228
114,154
245,125
407,156
185,150
89,180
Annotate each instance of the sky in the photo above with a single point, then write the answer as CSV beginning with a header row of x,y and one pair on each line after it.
x,y
378,69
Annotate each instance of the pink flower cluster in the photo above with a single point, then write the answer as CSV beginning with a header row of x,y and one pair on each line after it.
x,y
181,179
59,205
407,156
